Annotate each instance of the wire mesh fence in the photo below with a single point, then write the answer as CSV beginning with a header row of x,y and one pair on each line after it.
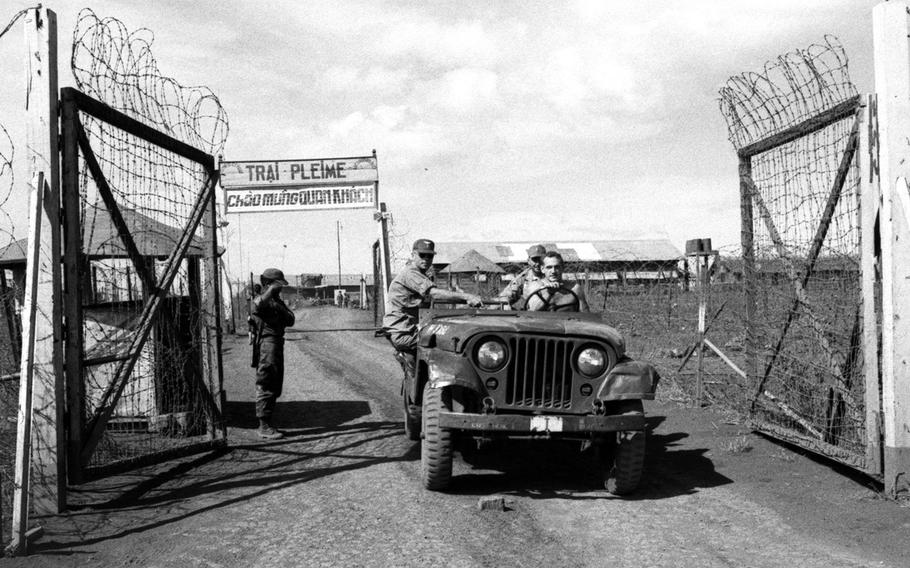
x,y
9,398
138,203
795,128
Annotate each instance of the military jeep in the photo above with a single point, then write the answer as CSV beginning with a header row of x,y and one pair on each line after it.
x,y
485,374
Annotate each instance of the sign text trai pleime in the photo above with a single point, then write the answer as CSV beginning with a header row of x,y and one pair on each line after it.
x,y
328,171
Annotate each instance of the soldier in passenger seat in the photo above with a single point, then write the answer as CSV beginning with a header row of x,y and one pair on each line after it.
x,y
517,290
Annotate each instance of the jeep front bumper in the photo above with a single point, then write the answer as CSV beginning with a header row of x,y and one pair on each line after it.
x,y
540,424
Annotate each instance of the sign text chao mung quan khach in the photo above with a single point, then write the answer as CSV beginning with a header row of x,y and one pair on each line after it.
x,y
287,185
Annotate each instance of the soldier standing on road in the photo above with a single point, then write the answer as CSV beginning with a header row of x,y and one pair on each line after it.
x,y
272,316
518,288
410,290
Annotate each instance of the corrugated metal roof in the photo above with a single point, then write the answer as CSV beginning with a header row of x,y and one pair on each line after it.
x,y
572,251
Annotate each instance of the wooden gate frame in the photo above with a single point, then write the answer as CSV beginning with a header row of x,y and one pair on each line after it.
x,y
820,441
83,438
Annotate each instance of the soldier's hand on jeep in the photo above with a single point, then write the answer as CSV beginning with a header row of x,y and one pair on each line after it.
x,y
473,300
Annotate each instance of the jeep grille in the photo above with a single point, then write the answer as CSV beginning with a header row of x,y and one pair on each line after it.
x,y
539,373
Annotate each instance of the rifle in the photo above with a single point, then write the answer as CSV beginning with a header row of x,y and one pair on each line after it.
x,y
255,342
253,326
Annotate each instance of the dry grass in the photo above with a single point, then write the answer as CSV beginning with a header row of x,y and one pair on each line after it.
x,y
784,455
669,390
737,445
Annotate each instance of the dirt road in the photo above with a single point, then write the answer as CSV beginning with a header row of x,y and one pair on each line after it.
x,y
343,490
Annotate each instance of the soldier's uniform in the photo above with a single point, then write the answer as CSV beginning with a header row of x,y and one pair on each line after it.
x,y
523,283
519,287
272,317
407,293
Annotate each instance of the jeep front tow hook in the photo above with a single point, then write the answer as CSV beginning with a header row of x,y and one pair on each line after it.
x,y
489,407
599,408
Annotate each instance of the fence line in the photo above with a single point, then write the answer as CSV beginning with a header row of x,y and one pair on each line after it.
x,y
795,127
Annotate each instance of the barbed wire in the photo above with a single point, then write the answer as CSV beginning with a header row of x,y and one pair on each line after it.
x,y
789,89
7,183
15,18
806,282
155,190
10,297
117,66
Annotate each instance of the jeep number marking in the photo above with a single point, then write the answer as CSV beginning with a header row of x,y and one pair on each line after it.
x,y
546,424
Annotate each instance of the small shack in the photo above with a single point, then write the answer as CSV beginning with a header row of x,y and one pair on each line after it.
x,y
484,275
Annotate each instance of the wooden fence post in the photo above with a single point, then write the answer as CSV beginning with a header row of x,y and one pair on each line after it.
x,y
748,254
48,489
892,86
870,206
24,440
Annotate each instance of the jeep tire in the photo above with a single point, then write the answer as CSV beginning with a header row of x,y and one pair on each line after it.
x,y
622,476
436,449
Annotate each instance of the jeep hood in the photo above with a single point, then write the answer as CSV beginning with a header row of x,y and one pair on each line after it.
x,y
449,329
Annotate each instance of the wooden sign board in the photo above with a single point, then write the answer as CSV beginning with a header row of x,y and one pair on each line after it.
x,y
299,173
255,200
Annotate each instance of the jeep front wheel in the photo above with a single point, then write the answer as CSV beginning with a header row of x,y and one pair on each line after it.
x,y
436,449
623,472
628,462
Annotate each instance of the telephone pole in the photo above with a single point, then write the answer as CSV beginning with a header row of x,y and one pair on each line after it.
x,y
338,233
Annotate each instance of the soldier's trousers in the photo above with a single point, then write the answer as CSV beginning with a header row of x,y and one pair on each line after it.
x,y
269,376
406,344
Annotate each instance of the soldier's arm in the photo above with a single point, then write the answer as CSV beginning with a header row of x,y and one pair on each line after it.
x,y
582,301
448,295
284,313
512,291
272,309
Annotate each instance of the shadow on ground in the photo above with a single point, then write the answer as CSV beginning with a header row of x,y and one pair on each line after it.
x,y
152,497
298,414
559,469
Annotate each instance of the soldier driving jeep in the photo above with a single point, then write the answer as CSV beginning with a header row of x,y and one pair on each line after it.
x,y
552,293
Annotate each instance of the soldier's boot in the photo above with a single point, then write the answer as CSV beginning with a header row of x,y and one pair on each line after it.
x,y
267,431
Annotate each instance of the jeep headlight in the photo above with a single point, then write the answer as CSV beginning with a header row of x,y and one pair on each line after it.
x,y
491,355
591,361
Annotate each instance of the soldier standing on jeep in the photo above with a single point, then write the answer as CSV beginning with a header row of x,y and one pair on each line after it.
x,y
410,290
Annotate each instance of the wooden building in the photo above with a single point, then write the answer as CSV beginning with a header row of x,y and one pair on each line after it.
x,y
619,261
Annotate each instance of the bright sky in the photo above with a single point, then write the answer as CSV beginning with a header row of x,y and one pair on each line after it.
x,y
507,120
